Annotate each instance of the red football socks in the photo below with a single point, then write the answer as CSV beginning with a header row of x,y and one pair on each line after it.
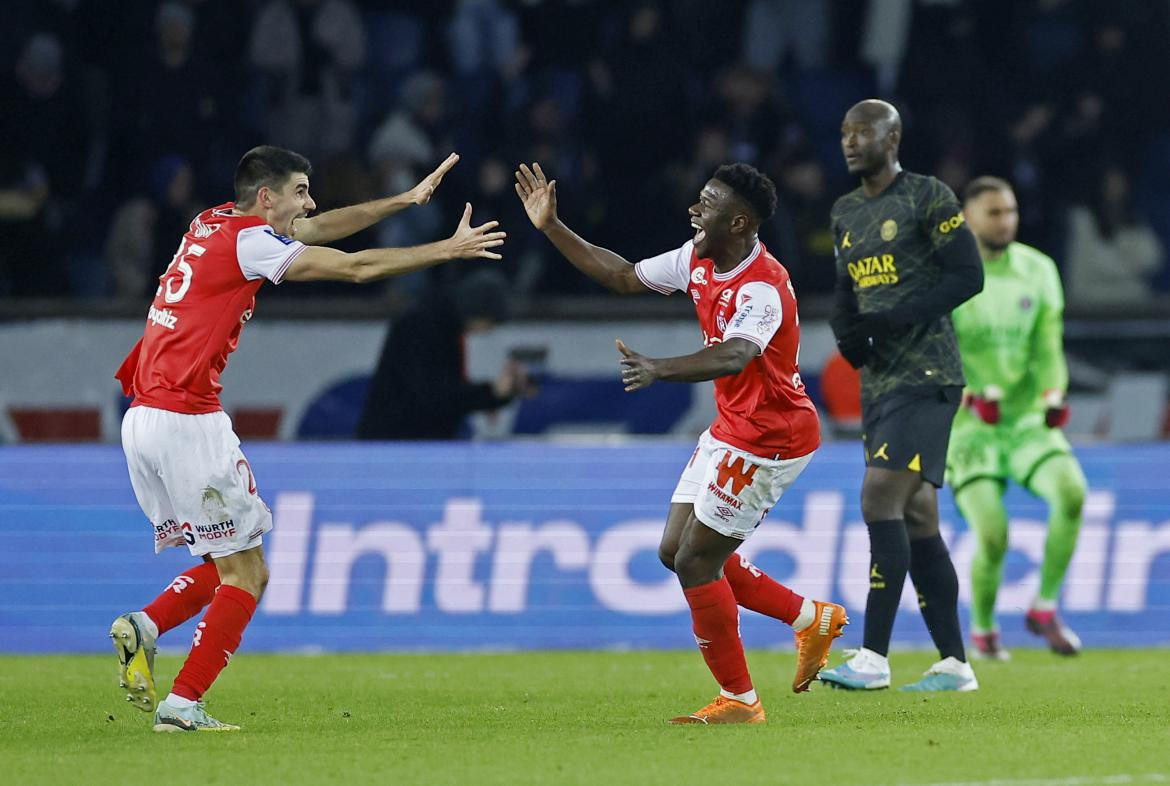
x,y
716,625
216,639
755,590
188,594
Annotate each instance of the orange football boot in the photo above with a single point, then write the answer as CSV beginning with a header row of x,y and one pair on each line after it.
x,y
723,710
813,643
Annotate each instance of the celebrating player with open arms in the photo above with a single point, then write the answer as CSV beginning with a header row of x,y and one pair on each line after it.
x,y
188,473
763,437
904,261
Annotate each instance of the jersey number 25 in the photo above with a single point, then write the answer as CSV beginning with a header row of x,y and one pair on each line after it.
x,y
182,262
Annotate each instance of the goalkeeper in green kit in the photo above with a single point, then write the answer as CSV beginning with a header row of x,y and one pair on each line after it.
x,y
1011,342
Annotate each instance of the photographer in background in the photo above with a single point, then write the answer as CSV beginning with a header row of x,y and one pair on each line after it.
x,y
420,389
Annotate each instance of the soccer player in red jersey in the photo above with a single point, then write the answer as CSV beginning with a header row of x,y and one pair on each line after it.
x,y
763,436
189,475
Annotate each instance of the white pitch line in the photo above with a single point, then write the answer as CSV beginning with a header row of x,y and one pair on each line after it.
x,y
1079,780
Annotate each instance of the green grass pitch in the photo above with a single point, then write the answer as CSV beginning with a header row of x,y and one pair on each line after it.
x,y
590,718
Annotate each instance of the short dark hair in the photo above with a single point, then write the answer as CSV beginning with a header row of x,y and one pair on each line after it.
x,y
981,185
266,165
752,186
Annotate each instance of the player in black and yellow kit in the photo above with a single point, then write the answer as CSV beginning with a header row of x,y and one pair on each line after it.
x,y
905,259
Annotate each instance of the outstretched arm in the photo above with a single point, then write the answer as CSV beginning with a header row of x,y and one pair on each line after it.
x,y
539,196
316,263
345,221
718,360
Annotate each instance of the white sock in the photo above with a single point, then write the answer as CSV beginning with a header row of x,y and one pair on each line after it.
x,y
747,698
1040,604
807,616
178,702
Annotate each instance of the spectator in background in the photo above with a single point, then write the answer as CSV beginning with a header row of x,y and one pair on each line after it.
x,y
41,158
484,37
171,103
1112,253
775,29
525,270
310,53
798,231
545,131
486,58
755,119
400,148
623,93
884,36
141,242
638,105
420,389
687,177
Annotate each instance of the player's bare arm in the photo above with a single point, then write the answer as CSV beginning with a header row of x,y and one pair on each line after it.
x,y
539,195
719,360
345,221
318,263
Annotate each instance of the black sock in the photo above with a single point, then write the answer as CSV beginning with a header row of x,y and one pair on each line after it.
x,y
889,558
934,578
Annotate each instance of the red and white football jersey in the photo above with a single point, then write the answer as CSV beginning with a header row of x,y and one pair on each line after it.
x,y
203,300
764,409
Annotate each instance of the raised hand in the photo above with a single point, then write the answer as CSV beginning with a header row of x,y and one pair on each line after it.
x,y
470,242
422,193
538,194
638,371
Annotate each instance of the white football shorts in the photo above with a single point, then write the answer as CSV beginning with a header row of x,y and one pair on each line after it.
x,y
732,490
193,482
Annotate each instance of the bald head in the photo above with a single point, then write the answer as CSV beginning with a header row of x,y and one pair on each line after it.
x,y
870,135
877,112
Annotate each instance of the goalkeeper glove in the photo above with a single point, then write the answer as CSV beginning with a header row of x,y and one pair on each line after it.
x,y
986,405
1055,409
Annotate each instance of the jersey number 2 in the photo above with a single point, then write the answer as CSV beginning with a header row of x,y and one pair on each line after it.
x,y
182,262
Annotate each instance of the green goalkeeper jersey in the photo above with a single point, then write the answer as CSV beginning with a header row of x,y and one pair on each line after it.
x,y
1011,335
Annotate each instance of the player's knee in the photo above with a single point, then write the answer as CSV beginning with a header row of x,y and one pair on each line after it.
x,y
666,552
257,577
692,569
919,529
876,506
994,544
250,575
1072,496
262,576
1066,496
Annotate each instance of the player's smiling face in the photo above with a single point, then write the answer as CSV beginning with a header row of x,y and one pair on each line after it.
x,y
288,203
712,217
866,142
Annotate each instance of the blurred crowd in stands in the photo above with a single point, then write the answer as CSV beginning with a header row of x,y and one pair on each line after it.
x,y
122,120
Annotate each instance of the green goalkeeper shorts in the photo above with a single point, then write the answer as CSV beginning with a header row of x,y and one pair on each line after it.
x,y
1008,450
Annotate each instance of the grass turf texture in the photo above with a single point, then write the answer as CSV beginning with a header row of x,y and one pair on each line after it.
x,y
595,718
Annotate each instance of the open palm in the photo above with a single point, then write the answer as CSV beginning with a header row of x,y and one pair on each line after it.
x,y
422,193
538,194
